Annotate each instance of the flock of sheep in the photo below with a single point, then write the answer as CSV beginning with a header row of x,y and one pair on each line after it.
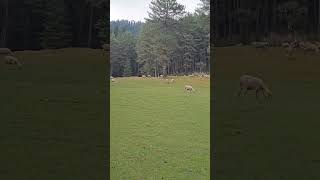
x,y
188,88
9,57
290,47
305,46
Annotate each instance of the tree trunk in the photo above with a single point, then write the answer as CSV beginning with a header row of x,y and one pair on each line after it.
x,y
5,24
90,26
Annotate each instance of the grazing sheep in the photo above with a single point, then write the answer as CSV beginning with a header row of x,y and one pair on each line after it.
x,y
12,60
253,83
143,76
6,51
189,88
289,50
285,45
161,76
149,76
191,75
308,47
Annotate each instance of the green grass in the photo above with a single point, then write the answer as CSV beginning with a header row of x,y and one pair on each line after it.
x,y
278,139
159,131
52,115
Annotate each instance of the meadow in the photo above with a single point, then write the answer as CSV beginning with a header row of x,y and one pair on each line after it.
x,y
53,115
158,130
275,139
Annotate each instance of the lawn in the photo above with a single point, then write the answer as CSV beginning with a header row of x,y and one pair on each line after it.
x,y
276,139
53,115
159,131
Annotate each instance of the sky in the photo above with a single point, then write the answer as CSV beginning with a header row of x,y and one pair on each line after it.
x,y
137,9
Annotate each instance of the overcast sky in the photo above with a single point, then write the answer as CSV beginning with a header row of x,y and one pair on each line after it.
x,y
137,9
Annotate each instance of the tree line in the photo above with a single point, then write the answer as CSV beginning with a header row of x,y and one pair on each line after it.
x,y
171,41
40,24
254,20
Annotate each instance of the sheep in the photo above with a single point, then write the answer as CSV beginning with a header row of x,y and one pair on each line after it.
x,y
172,81
143,76
308,46
161,76
206,76
289,50
248,82
12,60
191,75
189,88
149,76
6,51
113,80
285,45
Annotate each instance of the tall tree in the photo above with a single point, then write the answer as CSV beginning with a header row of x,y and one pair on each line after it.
x,y
4,29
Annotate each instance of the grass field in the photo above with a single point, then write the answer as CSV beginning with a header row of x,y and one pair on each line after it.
x,y
273,140
159,131
52,115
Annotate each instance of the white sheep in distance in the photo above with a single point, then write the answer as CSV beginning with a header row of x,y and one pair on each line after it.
x,y
285,45
308,47
6,51
189,88
149,76
144,76
248,82
172,81
12,60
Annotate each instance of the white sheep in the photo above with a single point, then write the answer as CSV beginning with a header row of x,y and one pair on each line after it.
x,y
248,82
113,80
12,60
308,46
189,88
144,76
191,75
6,51
149,76
285,45
172,81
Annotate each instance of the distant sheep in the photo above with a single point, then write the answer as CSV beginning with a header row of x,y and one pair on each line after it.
x,y
12,60
206,76
144,76
308,47
113,80
149,76
6,51
172,81
285,45
189,88
191,75
253,83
